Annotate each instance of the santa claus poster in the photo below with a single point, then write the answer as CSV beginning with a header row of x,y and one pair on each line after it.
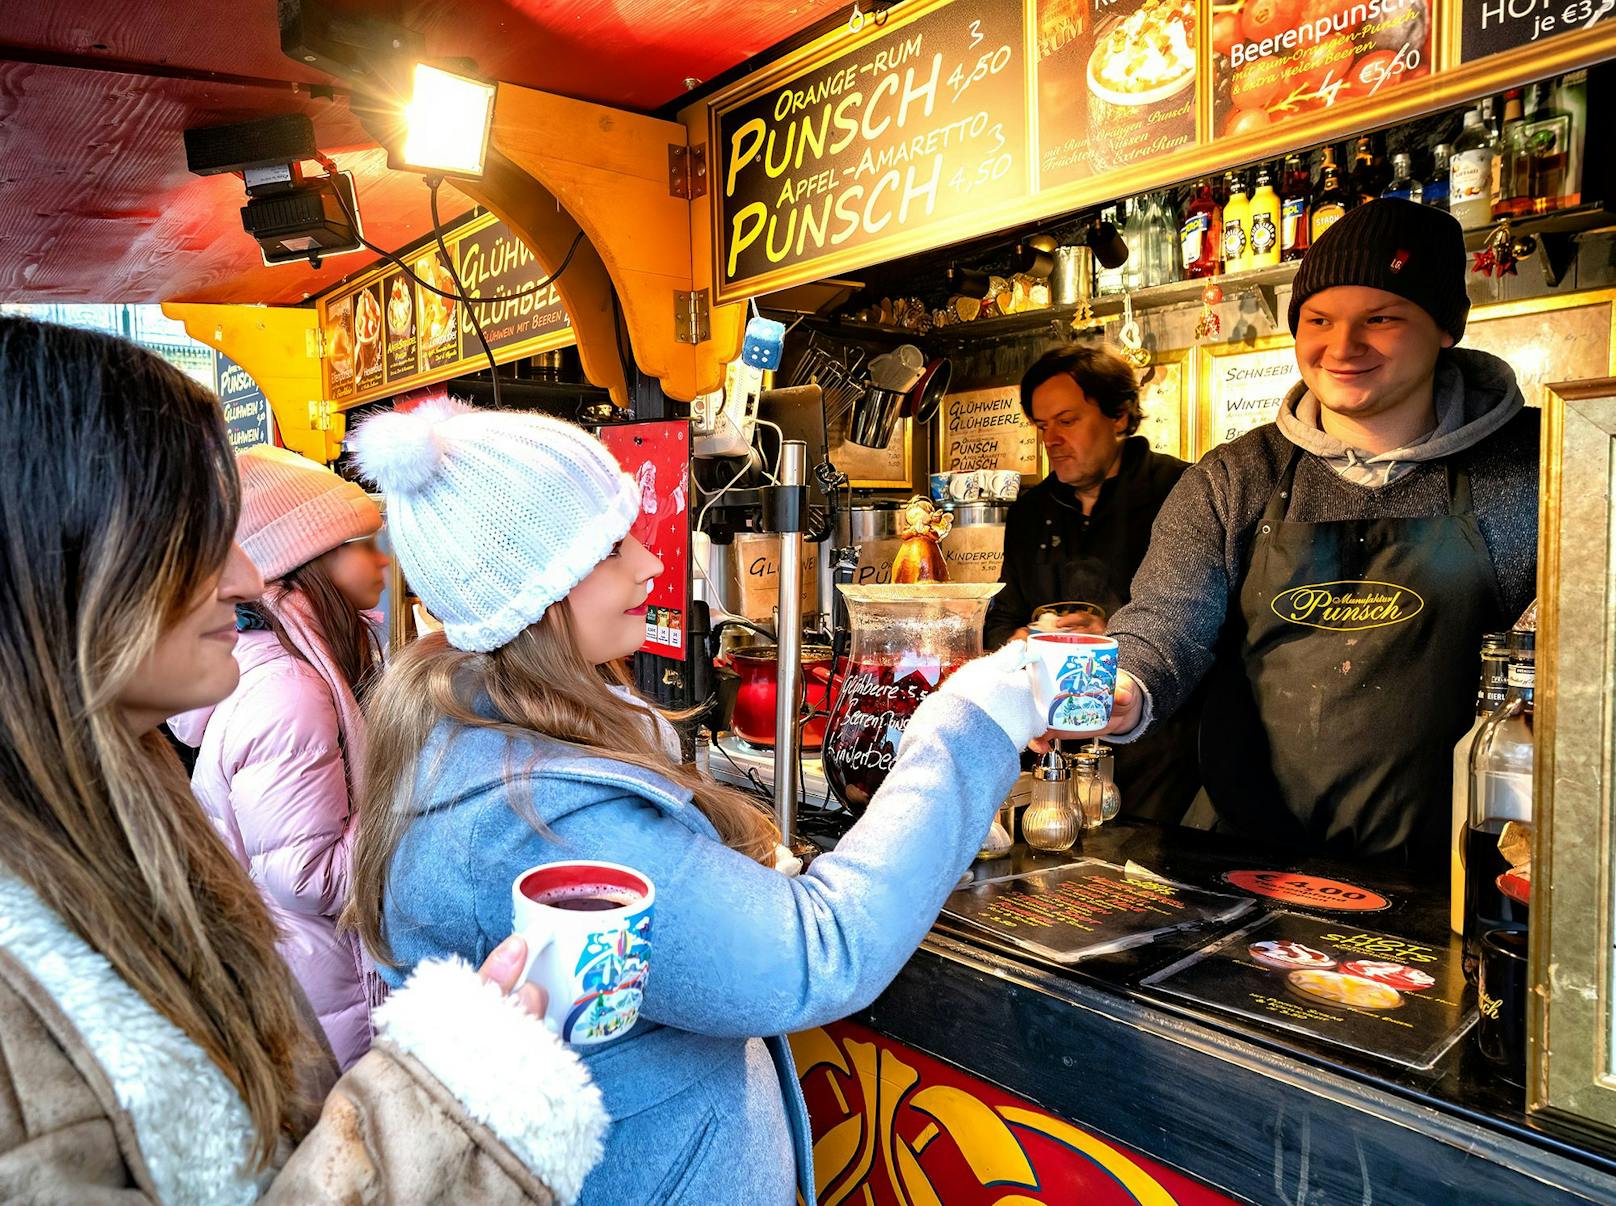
x,y
657,457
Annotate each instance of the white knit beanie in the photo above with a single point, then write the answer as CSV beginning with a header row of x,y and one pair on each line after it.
x,y
293,509
494,514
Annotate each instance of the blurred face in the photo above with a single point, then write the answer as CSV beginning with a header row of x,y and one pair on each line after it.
x,y
608,607
359,571
1083,445
192,664
1366,353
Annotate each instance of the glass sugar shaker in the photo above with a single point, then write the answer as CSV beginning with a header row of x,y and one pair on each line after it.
x,y
1050,822
1111,803
1088,789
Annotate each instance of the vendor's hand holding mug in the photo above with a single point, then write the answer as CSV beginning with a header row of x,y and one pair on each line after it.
x,y
1073,616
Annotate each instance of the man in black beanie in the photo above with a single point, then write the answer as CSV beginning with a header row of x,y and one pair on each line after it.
x,y
1331,575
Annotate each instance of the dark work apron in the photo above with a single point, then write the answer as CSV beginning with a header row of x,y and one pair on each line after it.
x,y
1346,676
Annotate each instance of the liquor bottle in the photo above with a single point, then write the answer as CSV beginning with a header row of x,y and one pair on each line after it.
x,y
1330,199
1470,174
1490,694
1501,761
1201,234
1133,234
1109,280
1161,240
1295,208
1434,192
1569,98
1265,219
1237,226
1402,184
1514,191
1369,173
1548,146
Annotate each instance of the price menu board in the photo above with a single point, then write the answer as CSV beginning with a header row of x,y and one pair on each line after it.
x,y
951,120
1276,59
1116,84
1488,27
387,331
916,130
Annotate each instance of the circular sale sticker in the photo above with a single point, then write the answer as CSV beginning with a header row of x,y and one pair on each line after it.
x,y
1309,891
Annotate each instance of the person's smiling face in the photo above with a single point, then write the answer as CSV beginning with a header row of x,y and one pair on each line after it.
x,y
1366,353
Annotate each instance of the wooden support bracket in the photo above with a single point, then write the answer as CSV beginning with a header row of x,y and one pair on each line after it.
x,y
610,170
277,345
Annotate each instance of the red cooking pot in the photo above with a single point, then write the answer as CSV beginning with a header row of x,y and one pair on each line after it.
x,y
753,721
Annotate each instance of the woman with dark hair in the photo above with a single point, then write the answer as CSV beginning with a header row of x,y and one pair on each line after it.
x,y
278,761
156,1046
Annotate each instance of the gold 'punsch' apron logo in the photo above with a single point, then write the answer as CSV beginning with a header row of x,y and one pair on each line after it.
x,y
1347,606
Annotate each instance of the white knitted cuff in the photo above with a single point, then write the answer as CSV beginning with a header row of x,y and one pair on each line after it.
x,y
509,1072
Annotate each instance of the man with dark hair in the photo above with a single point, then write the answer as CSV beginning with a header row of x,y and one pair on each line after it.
x,y
1079,535
1330,575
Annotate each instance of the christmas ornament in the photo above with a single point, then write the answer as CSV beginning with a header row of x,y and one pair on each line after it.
x,y
1210,324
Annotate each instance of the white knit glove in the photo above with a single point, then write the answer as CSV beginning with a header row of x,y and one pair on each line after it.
x,y
1000,685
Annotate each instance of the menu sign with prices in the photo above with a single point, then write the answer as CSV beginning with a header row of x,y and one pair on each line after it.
x,y
922,124
386,332
1494,26
1087,908
1116,84
986,429
1376,993
657,457
1275,59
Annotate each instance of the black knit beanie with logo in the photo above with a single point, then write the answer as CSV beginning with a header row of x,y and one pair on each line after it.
x,y
1414,251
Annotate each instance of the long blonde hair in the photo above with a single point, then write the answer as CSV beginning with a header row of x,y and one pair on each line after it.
x,y
537,683
117,509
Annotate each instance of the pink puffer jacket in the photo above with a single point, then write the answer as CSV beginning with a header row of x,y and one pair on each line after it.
x,y
270,773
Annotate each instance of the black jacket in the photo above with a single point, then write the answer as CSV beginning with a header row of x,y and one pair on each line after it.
x,y
1053,553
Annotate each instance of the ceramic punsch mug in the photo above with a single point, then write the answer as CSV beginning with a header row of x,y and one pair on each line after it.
x,y
1074,679
588,932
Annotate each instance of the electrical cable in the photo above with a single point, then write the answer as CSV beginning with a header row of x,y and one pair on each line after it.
x,y
722,490
432,183
394,258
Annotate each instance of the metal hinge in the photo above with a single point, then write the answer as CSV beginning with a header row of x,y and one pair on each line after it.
x,y
687,171
690,317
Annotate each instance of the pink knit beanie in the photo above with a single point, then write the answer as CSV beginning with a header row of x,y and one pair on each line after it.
x,y
293,509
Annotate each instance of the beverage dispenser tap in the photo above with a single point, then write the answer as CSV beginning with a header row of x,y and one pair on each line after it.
x,y
785,509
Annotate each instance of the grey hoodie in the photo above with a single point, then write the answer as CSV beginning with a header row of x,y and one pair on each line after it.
x,y
1167,635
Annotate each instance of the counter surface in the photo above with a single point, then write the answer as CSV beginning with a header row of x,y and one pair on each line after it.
x,y
1258,1112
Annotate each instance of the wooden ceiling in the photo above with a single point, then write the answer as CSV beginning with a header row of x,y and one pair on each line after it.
x,y
96,204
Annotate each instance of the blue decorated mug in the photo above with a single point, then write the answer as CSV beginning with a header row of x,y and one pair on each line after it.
x,y
588,932
1074,678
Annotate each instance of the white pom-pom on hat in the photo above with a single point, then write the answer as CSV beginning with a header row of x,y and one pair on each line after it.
x,y
401,451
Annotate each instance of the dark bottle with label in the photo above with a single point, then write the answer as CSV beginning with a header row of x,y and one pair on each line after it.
x,y
1201,234
1330,199
1369,171
1501,765
1296,193
1434,192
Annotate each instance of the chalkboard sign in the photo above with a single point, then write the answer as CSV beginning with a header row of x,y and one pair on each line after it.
x,y
920,125
1494,26
247,417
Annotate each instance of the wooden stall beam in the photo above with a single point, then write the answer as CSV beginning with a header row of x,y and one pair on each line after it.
x,y
610,170
277,345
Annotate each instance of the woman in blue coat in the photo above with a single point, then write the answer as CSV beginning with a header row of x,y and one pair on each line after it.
x,y
506,742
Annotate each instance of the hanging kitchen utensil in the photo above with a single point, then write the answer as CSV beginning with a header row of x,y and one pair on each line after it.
x,y
927,395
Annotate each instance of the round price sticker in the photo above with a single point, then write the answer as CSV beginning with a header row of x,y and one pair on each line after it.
x,y
1309,891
